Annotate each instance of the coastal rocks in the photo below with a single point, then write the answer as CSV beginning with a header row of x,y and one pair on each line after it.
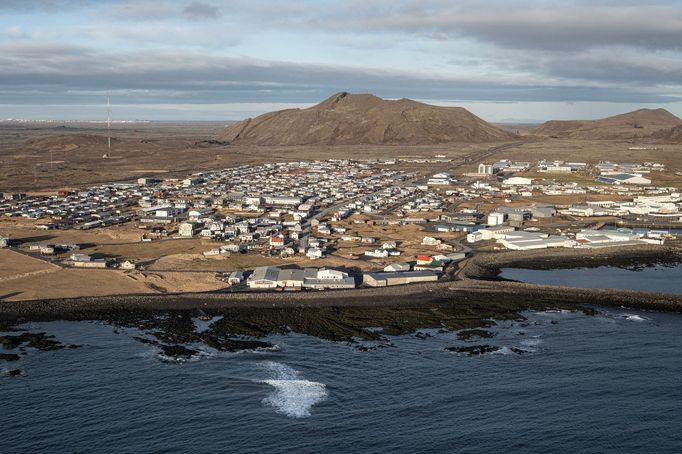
x,y
9,357
22,341
423,336
473,350
178,352
39,341
477,350
13,373
171,353
470,334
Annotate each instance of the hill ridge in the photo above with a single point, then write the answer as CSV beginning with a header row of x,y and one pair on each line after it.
x,y
356,119
639,123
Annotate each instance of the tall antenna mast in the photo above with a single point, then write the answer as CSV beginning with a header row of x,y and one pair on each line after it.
x,y
108,128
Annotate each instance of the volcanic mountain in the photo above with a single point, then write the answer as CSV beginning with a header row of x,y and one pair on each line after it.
x,y
638,124
348,119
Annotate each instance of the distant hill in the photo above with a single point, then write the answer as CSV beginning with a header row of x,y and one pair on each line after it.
x,y
347,119
638,124
68,142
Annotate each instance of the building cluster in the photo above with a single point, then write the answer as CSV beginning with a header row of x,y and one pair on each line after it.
x,y
98,206
425,269
667,206
312,208
606,172
502,166
529,239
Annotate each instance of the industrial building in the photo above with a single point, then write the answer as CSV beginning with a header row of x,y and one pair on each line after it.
x,y
623,178
387,279
270,277
526,241
517,181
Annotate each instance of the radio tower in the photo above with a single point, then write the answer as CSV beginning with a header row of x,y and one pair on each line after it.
x,y
108,155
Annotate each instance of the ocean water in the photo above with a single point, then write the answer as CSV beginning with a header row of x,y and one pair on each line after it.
x,y
657,278
580,384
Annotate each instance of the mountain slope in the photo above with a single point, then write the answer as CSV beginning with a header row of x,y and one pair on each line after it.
x,y
636,124
347,119
671,135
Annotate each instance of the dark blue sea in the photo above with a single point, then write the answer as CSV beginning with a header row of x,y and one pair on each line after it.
x,y
582,384
664,278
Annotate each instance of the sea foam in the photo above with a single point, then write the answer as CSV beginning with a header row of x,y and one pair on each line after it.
x,y
503,351
293,396
635,318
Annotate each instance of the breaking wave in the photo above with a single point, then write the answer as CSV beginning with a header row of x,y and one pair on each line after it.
x,y
635,318
293,396
533,342
184,359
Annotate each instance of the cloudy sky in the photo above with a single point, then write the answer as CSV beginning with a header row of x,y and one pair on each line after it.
x,y
506,60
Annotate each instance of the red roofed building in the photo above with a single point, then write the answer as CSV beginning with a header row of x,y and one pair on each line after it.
x,y
423,260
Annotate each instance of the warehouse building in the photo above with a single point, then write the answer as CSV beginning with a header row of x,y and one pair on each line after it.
x,y
324,279
623,178
264,277
526,241
387,279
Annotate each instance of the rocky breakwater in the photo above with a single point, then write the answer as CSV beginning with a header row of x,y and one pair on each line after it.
x,y
480,275
487,266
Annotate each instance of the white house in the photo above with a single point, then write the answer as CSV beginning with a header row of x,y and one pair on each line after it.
x,y
314,253
128,265
397,267
430,241
379,253
389,245
188,229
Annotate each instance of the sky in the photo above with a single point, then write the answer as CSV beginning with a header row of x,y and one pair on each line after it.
x,y
505,60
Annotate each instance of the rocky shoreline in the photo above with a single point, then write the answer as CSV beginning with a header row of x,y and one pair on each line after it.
x,y
477,281
474,300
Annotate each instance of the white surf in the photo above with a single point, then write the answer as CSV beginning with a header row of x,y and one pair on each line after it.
x,y
293,396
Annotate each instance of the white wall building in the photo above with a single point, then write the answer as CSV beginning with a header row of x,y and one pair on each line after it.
x,y
264,277
518,181
485,169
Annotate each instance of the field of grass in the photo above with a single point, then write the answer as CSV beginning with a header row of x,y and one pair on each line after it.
x,y
15,264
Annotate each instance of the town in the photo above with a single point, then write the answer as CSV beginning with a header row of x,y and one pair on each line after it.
x,y
334,224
